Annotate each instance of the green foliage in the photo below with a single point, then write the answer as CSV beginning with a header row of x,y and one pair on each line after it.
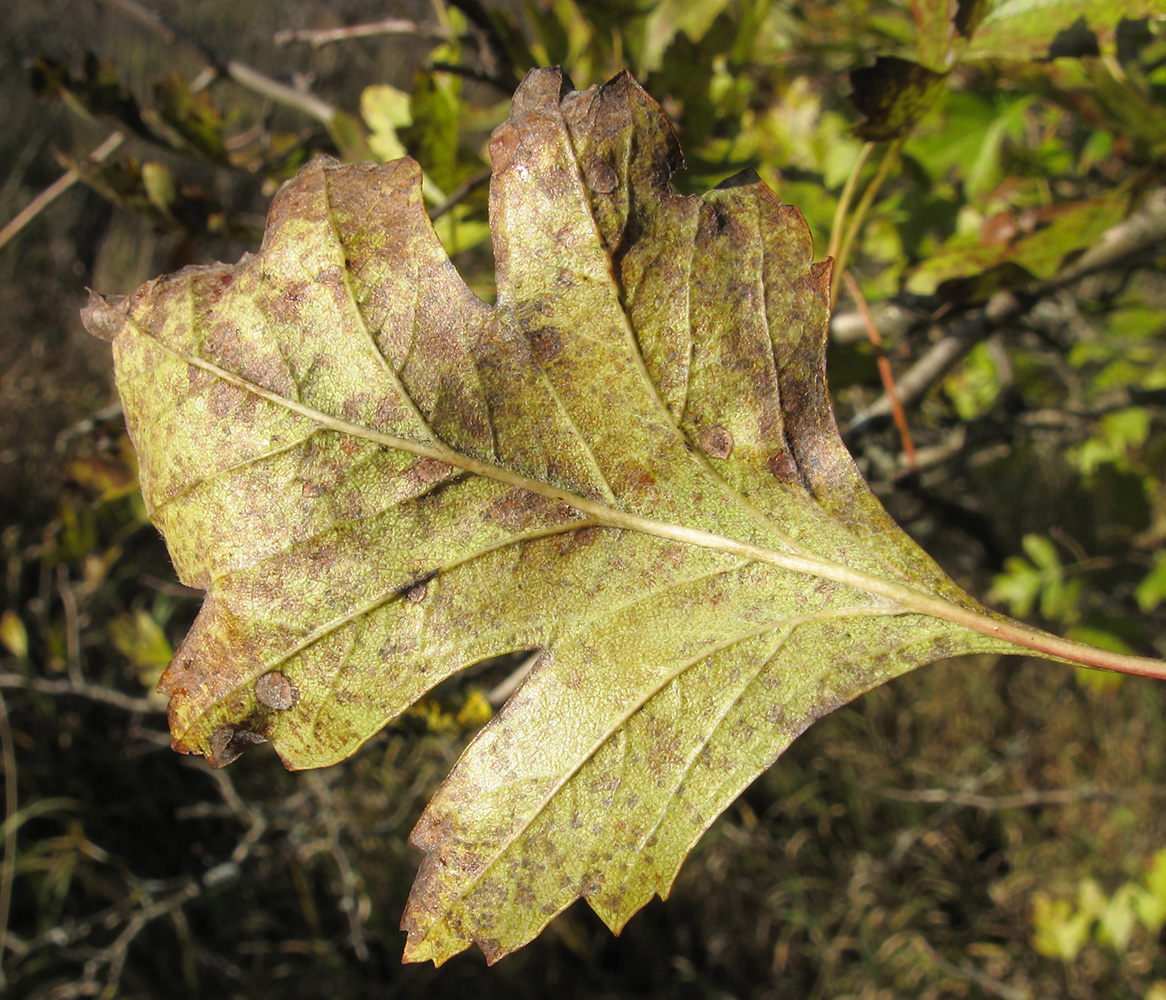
x,y
1039,580
1061,928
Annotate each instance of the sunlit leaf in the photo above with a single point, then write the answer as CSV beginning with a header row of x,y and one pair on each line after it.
x,y
629,463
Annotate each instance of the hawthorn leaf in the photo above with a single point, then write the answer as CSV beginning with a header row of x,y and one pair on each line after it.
x,y
629,462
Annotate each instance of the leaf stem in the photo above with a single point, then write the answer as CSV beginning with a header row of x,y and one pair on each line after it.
x,y
845,199
846,245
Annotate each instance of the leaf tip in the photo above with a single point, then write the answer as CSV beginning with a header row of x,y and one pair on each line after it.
x,y
105,315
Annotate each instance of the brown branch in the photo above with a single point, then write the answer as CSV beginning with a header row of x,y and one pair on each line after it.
x,y
316,37
885,374
93,692
1021,800
225,66
56,189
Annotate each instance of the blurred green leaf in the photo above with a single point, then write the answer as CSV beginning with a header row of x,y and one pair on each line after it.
x,y
974,385
385,109
1039,577
13,634
975,263
892,94
1058,930
1117,435
140,639
969,143
1150,905
1152,590
1043,29
669,19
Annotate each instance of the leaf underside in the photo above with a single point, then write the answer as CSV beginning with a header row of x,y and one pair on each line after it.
x,y
629,462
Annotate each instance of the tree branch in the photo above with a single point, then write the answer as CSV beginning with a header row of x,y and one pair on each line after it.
x,y
225,66
316,37
1142,231
93,692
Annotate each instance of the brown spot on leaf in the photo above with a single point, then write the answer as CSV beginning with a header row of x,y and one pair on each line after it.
x,y
227,743
274,690
519,509
782,465
546,344
430,470
716,441
503,146
601,177
222,399
415,595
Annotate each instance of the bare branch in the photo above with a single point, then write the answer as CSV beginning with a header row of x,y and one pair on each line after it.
x,y
93,692
241,73
387,26
56,189
1021,800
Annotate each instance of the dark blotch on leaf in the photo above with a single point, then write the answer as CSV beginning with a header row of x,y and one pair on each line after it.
x,y
274,690
227,743
546,344
716,442
430,470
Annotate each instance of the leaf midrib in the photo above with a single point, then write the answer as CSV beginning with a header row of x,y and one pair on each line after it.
x,y
909,598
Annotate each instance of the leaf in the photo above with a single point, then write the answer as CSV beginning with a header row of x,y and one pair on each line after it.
x,y
973,265
893,95
385,109
629,462
1043,29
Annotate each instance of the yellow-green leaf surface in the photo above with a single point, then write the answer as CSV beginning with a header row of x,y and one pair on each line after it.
x,y
629,462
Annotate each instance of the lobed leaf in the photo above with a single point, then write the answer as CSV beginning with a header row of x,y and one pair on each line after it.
x,y
629,462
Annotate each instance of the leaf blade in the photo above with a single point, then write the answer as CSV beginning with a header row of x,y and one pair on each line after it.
x,y
629,462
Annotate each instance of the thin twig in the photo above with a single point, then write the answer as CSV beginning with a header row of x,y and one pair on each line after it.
x,y
1125,241
885,373
968,971
463,191
839,224
93,692
355,909
854,227
316,37
56,189
240,72
1033,798
72,627
468,73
